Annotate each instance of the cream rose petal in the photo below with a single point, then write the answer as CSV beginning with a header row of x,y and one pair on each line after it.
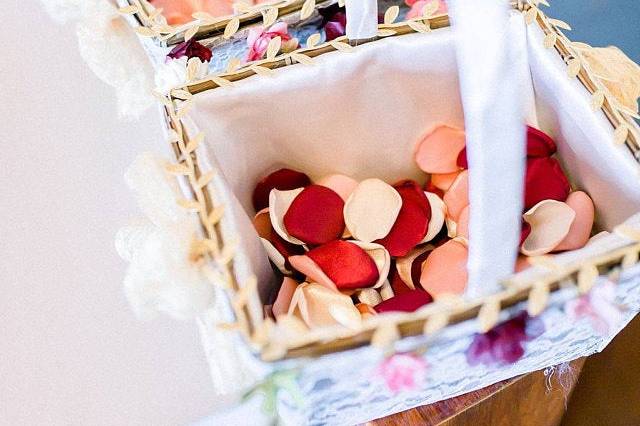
x,y
438,213
550,222
279,203
403,264
371,210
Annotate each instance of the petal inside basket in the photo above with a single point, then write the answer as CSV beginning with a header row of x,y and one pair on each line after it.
x,y
550,222
371,210
438,151
445,270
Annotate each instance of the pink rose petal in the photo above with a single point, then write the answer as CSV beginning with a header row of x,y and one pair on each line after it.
x,y
445,270
439,149
580,230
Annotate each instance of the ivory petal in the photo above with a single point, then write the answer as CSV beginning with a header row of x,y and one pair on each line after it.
x,y
438,213
380,257
404,264
279,203
550,222
371,210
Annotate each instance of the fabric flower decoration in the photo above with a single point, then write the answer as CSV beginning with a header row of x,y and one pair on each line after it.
x,y
417,7
164,273
504,344
403,371
334,22
259,38
175,71
598,307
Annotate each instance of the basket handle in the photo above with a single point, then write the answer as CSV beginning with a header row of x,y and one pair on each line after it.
x,y
491,69
362,19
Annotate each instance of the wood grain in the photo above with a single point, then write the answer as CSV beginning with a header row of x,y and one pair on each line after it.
x,y
523,400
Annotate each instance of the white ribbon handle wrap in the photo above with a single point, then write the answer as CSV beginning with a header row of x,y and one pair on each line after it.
x,y
489,69
362,19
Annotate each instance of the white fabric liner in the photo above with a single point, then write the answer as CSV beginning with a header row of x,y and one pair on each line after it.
x,y
362,113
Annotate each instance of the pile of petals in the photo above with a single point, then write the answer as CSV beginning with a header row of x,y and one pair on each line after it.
x,y
347,250
178,12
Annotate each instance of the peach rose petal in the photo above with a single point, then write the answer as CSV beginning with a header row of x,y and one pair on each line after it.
x,y
380,257
279,203
438,151
366,310
580,230
371,210
319,306
405,265
341,184
462,225
457,197
445,270
306,266
285,294
522,263
550,222
438,213
443,181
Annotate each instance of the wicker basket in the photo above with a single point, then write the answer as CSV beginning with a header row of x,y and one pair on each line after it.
x,y
552,280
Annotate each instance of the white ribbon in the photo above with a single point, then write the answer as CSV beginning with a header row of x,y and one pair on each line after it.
x,y
362,19
490,69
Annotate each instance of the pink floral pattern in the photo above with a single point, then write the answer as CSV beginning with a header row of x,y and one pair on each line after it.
x,y
259,38
598,307
403,371
417,6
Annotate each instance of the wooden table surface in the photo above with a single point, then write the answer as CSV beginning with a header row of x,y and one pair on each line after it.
x,y
523,400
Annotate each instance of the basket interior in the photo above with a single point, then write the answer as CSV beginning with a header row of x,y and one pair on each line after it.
x,y
361,114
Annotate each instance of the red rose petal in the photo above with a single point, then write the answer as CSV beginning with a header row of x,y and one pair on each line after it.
x,y
544,180
315,216
412,222
283,179
346,264
397,285
539,144
406,302
462,159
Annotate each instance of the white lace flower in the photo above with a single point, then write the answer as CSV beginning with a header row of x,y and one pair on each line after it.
x,y
164,274
174,73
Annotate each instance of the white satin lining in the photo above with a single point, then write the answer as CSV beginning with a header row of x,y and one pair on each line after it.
x,y
362,113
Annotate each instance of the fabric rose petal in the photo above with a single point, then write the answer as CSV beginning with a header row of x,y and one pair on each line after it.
x,y
457,196
178,12
504,344
315,216
341,184
580,230
539,144
334,22
544,180
285,295
279,202
259,38
412,223
410,266
599,307
550,223
438,151
371,210
278,250
442,181
403,371
444,272
283,180
347,266
319,306
409,301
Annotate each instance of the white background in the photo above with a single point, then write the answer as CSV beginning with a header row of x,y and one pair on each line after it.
x,y
71,351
